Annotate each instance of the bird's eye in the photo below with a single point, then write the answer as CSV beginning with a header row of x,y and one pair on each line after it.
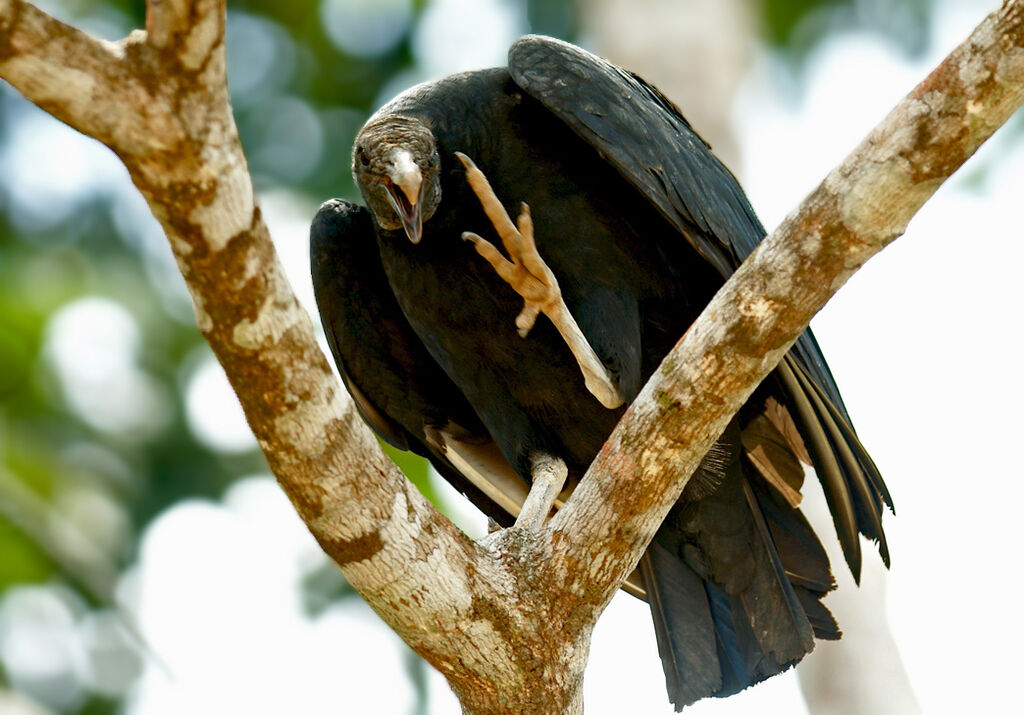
x,y
363,159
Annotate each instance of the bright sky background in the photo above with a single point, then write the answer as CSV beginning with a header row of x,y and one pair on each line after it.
x,y
924,343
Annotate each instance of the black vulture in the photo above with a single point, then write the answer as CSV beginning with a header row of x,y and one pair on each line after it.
x,y
639,224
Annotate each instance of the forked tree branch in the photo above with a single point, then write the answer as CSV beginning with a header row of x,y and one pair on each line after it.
x,y
507,620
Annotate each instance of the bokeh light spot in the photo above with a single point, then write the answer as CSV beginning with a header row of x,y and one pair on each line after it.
x,y
366,28
38,647
290,139
92,344
214,414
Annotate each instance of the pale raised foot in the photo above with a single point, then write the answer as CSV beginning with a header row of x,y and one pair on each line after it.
x,y
530,277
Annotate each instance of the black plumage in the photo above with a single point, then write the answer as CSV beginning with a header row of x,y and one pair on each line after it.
x,y
641,224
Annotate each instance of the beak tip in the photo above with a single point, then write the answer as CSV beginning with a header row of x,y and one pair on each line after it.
x,y
413,226
408,212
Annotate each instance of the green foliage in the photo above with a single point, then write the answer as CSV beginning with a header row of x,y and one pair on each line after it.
x,y
557,19
414,467
23,561
796,26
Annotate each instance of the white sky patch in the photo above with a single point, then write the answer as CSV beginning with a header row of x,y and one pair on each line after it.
x,y
93,339
220,604
38,647
212,409
457,35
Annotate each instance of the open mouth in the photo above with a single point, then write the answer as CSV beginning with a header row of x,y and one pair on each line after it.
x,y
407,211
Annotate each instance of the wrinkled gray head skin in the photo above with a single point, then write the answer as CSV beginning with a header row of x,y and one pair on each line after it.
x,y
396,166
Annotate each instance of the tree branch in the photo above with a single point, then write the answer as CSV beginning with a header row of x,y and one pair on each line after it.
x,y
861,207
191,28
405,558
73,76
507,620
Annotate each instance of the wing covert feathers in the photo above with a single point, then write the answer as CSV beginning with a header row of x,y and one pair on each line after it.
x,y
630,123
774,457
339,230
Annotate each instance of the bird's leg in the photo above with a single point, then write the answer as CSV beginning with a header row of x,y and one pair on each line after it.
x,y
548,475
531,278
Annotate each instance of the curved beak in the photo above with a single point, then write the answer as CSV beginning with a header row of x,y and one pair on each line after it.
x,y
405,190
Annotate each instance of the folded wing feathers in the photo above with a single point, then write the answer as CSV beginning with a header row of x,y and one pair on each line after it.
x,y
833,481
864,496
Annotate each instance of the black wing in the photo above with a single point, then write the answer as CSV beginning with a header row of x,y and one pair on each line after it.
x,y
397,387
400,391
645,137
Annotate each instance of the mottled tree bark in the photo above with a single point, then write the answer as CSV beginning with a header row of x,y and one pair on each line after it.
x,y
506,619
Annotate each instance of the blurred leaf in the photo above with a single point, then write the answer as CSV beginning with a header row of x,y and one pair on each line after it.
x,y
557,18
323,586
781,17
21,561
101,706
796,26
15,357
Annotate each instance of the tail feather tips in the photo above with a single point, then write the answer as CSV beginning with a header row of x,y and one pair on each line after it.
x,y
717,636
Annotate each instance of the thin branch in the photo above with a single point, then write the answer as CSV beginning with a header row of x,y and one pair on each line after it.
x,y
72,551
77,78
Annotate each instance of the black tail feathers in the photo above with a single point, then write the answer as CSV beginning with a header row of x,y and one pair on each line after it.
x,y
734,582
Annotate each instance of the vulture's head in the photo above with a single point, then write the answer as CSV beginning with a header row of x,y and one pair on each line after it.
x,y
396,166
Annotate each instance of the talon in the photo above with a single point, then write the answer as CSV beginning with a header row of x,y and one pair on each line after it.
x,y
526,319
